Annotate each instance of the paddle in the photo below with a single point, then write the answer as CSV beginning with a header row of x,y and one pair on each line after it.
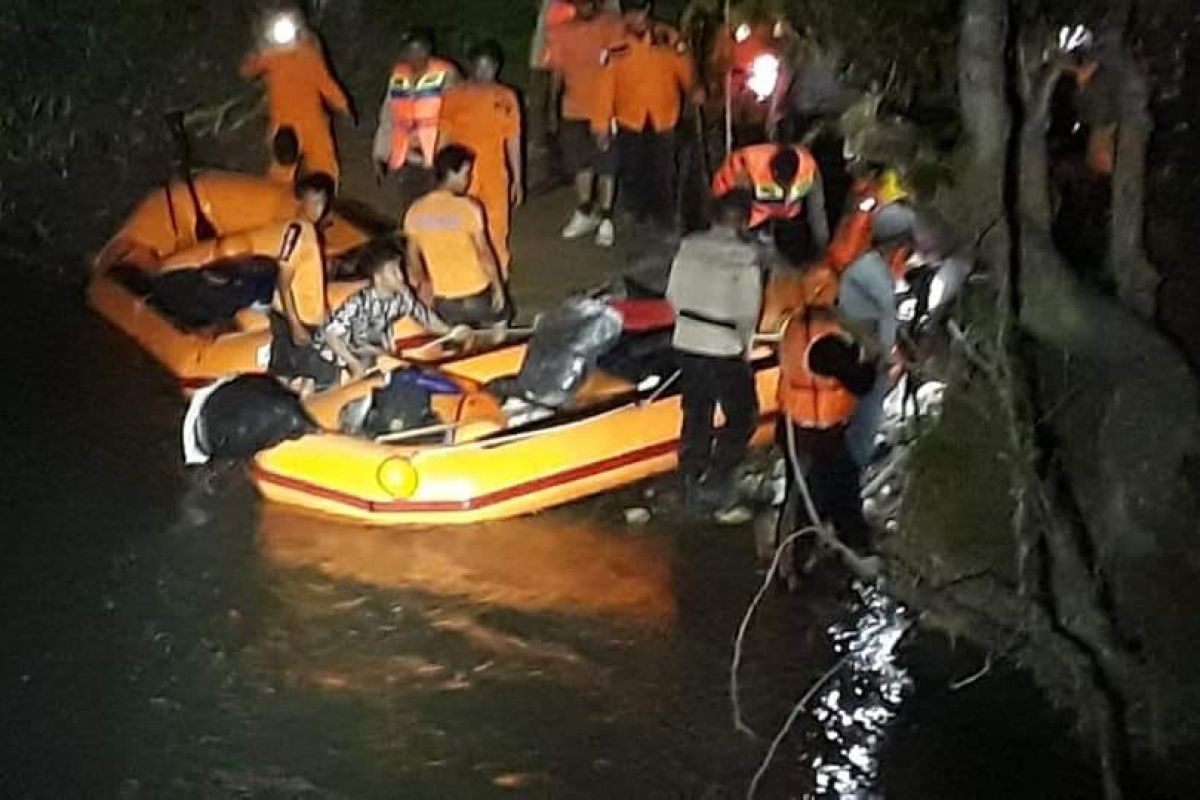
x,y
204,229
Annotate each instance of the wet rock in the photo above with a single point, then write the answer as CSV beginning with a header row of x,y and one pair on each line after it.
x,y
637,515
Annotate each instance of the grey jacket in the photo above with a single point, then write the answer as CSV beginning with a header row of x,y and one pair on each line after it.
x,y
716,290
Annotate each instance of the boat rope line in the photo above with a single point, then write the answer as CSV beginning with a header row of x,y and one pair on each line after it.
x,y
541,484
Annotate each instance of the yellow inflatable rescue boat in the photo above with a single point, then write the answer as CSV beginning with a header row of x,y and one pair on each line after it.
x,y
160,236
484,460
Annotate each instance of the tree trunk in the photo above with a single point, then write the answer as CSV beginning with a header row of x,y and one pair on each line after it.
x,y
985,114
1136,279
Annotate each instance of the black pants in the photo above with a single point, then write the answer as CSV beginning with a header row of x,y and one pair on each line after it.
x,y
833,480
291,361
647,172
707,382
474,310
793,240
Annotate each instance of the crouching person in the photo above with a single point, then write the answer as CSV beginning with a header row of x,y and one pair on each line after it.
x,y
715,288
361,329
299,307
823,372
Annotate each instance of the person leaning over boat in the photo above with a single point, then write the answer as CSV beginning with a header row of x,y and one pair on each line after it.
x,y
299,307
451,263
360,330
823,371
715,287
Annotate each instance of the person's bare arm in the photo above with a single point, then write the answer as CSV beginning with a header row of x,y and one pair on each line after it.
x,y
516,169
342,350
300,334
381,147
418,274
487,259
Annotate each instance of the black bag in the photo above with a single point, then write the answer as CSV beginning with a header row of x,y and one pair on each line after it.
x,y
565,345
207,295
404,403
248,414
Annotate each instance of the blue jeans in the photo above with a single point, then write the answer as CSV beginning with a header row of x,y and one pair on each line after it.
x,y
864,425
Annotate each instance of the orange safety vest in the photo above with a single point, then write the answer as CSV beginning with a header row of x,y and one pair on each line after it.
x,y
750,168
416,103
853,235
810,401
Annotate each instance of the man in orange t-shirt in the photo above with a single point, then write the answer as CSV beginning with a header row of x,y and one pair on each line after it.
x,y
648,73
575,56
299,89
484,116
450,261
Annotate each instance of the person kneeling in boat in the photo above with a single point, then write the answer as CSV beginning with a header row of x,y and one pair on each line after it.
x,y
823,373
361,329
450,260
715,288
299,308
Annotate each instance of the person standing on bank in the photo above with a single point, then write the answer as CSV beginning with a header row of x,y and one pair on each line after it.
x,y
715,287
575,56
451,263
484,116
406,139
648,74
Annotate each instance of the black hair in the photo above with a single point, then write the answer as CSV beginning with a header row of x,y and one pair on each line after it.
x,y
489,49
451,158
378,254
636,5
317,182
285,146
421,36
733,208
785,165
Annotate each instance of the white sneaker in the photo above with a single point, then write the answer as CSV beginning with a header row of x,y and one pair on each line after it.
x,y
605,233
580,225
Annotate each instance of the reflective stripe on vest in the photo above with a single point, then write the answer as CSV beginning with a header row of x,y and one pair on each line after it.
x,y
810,401
416,104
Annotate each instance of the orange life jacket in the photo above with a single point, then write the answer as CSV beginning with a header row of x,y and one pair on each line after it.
x,y
853,235
809,400
415,104
750,168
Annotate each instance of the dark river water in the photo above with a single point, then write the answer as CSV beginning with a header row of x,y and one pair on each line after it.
x,y
166,635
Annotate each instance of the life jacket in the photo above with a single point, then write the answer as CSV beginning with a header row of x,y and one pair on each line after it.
x,y
810,401
853,235
415,104
752,165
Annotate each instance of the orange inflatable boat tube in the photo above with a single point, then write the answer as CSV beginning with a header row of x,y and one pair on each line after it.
x,y
481,462
160,235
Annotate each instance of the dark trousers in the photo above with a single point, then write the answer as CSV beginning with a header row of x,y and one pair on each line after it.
x,y
833,481
647,172
474,310
706,382
793,239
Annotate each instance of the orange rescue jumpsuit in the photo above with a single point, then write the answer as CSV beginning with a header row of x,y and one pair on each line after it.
x,y
299,86
485,118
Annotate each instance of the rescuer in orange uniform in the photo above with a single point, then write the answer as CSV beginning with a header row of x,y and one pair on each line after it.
x,y
407,136
299,307
299,90
789,199
823,372
575,55
870,194
648,74
484,116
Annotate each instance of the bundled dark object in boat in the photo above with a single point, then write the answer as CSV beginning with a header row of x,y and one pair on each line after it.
x,y
247,414
212,294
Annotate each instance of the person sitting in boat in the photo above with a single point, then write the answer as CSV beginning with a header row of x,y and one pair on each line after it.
x,y
450,260
299,307
360,330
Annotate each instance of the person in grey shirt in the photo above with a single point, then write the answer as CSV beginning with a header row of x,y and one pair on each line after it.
x,y
715,288
867,308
